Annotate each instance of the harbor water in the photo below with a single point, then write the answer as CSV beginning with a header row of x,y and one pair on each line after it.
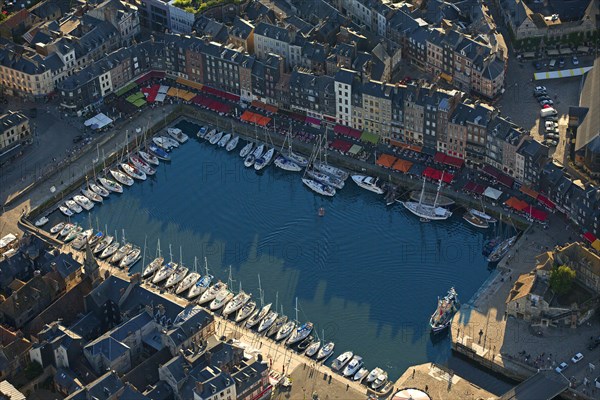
x,y
366,274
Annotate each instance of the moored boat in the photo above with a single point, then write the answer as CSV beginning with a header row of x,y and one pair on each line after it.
x,y
264,160
428,212
353,366
200,287
73,206
373,375
429,198
216,137
99,190
245,311
178,135
121,253
247,149
202,132
109,251
475,220
279,322
73,233
111,185
483,216
132,171
66,229
94,239
41,221
103,244
286,164
360,375
267,321
121,177
81,239
159,153
325,179
300,333
330,170
380,381
212,292
223,297
258,151
131,258
142,165
367,182
285,331
325,352
91,195
65,210
57,228
176,276
223,141
501,249
319,187
149,158
164,272
257,316
210,134
232,144
249,160
236,303
313,349
152,267
187,282
446,308
342,360
83,202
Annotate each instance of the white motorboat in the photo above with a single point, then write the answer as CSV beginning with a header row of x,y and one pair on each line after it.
x,y
171,142
81,239
367,182
223,297
149,158
216,137
425,211
142,165
380,381
212,292
178,135
232,144
131,258
224,140
300,333
164,272
247,149
176,276
121,253
245,311
285,331
249,161
153,267
109,251
91,195
65,210
73,206
162,142
264,160
121,177
57,228
267,321
159,152
99,190
132,171
103,244
111,185
210,134
326,351
319,187
236,303
325,179
83,202
313,349
286,164
73,233
483,216
360,375
187,282
374,374
341,361
353,366
257,316
40,222
201,132
330,170
200,287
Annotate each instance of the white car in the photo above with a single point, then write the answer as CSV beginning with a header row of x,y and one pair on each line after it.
x,y
576,358
540,88
575,60
561,367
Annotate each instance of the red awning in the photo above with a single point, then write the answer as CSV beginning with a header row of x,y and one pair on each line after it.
x,y
432,173
491,171
341,145
447,177
314,121
537,214
589,236
546,201
506,180
439,157
150,93
469,186
448,160
150,75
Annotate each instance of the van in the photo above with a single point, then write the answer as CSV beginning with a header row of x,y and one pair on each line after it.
x,y
552,63
546,112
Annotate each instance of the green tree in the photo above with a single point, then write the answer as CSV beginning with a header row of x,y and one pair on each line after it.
x,y
561,279
33,370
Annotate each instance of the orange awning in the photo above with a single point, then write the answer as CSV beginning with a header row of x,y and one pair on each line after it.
x,y
517,204
267,107
402,165
529,192
386,160
191,84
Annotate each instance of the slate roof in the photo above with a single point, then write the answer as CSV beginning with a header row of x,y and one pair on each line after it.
x,y
345,76
160,391
101,389
589,128
146,373
241,28
134,324
272,32
66,379
108,347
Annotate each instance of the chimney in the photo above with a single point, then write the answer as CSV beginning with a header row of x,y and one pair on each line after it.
x,y
186,371
199,387
53,266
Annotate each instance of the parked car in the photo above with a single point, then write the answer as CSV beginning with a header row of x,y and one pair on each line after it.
x,y
550,125
561,62
547,102
561,367
540,88
575,60
552,136
537,65
552,118
543,97
576,358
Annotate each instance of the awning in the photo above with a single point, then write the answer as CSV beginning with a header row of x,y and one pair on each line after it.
x,y
583,49
347,131
537,214
188,83
596,244
402,165
517,204
565,51
341,145
446,77
126,88
492,193
254,118
266,107
221,93
448,160
545,201
355,149
529,192
160,97
506,180
139,103
589,236
163,89
150,75
565,73
150,92
386,160
313,121
491,171
552,52
369,137
99,121
416,169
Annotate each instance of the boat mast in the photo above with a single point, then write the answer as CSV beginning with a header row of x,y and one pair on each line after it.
x,y
170,253
422,193
296,309
144,256
158,247
438,191
260,292
195,264
206,266
180,257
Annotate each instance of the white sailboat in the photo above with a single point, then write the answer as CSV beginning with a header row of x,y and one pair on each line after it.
x,y
99,190
132,171
66,211
155,264
301,332
178,275
258,315
324,167
247,149
289,153
238,301
212,292
121,177
111,185
232,144
224,296
264,160
189,280
202,285
223,141
286,164
131,258
428,212
216,137
166,270
91,195
149,158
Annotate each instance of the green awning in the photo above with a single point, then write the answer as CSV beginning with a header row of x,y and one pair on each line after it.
x,y
369,137
355,149
126,88
136,96
139,102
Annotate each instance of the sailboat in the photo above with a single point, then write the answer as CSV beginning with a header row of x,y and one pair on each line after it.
x,y
496,248
324,167
99,190
132,171
132,257
158,152
142,165
166,270
251,158
277,325
110,185
110,250
149,158
313,349
258,315
212,292
216,137
264,160
189,280
428,212
316,186
155,264
202,285
87,192
121,177
246,150
475,221
210,134
326,351
122,251
223,141
178,275
482,214
224,296
301,332
232,144
289,154
238,301
286,164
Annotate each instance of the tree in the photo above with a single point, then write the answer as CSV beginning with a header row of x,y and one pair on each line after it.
x,y
561,279
33,370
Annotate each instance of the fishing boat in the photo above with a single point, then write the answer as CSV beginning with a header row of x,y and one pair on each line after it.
x,y
111,185
159,153
57,228
325,179
238,301
247,149
258,316
41,222
131,258
224,140
153,267
216,137
360,375
313,349
300,333
202,132
142,165
277,325
326,351
210,135
132,171
109,251
264,160
73,206
122,178
103,244
212,292
99,190
66,229
268,321
249,160
428,212
245,311
91,195
83,202
66,211
373,375
353,366
121,253
446,308
178,135
319,187
223,297
501,249
379,381
188,281
149,158
475,220
429,198
368,182
232,144
164,272
286,164
201,286
342,360
73,233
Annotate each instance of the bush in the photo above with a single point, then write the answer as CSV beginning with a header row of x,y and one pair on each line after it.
x,y
561,279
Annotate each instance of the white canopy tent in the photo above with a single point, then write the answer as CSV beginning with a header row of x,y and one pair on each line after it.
x,y
565,73
160,97
163,89
492,193
98,122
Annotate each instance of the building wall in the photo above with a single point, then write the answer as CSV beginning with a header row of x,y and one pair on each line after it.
x,y
19,133
343,100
